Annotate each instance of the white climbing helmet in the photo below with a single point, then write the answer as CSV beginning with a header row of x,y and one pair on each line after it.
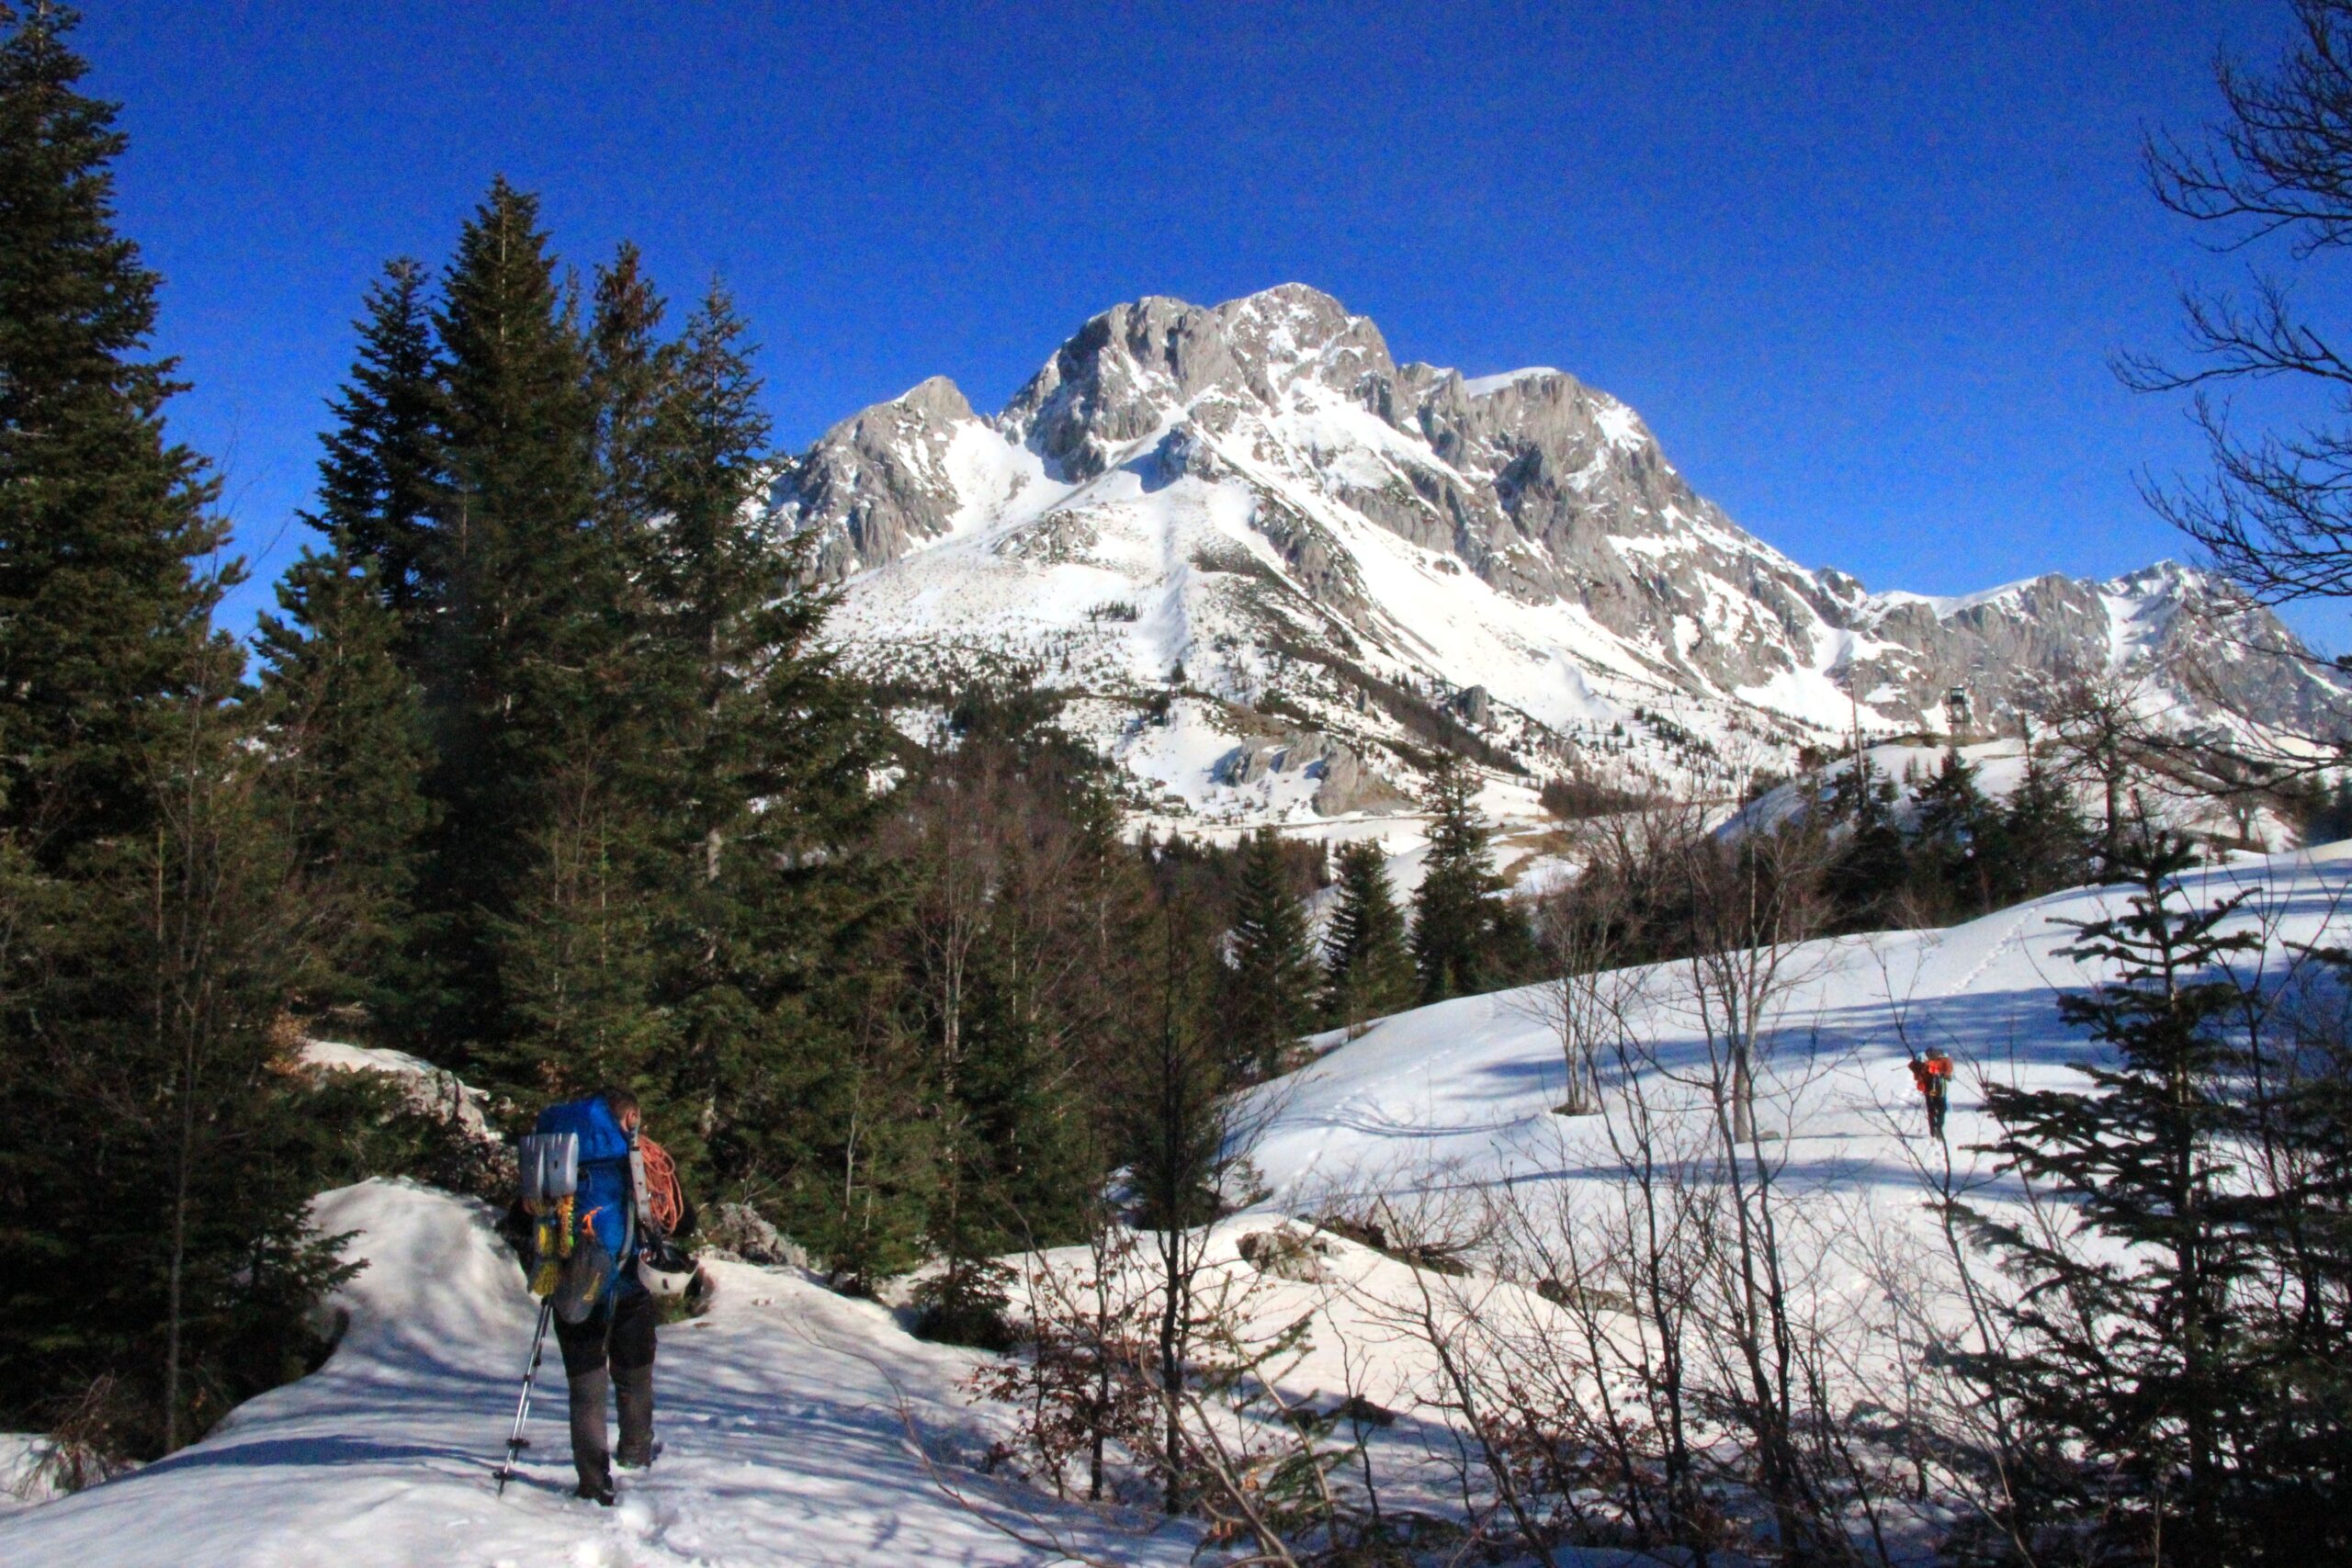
x,y
666,1272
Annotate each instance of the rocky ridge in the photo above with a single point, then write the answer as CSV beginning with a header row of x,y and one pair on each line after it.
x,y
1253,509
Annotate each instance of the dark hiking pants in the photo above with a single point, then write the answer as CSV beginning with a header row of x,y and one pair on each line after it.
x,y
1936,1114
612,1349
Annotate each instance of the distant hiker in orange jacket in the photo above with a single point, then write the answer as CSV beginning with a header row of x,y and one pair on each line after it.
x,y
1934,1078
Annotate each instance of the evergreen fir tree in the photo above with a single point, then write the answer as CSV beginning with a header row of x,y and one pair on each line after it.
x,y
579,940
1870,864
101,515
2044,844
1466,940
1271,981
155,1221
1018,1176
1368,968
349,751
768,895
379,483
1182,1152
522,666
186,1162
2128,1353
1862,795
2324,813
575,948
342,699
2294,1462
1952,835
625,379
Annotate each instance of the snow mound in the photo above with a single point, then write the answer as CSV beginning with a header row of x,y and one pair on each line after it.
x,y
784,1413
27,1475
426,1086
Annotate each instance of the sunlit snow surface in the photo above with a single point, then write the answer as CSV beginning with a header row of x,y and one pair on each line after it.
x,y
1461,1095
780,1412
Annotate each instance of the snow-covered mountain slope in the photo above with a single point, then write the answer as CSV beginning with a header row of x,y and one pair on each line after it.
x,y
1252,518
1462,1094
780,1412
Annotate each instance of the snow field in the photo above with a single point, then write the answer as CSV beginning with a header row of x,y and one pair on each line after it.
x,y
1444,1118
1439,1125
1462,1093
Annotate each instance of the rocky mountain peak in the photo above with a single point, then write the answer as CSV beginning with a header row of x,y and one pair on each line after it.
x,y
1138,366
877,483
1256,493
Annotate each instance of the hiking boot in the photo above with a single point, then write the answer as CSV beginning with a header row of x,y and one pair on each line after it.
x,y
602,1491
634,1389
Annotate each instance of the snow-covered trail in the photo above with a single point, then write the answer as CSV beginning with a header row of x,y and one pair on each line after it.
x,y
779,1412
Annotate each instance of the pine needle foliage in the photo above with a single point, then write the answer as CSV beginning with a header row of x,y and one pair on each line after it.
x,y
1466,940
2130,1351
154,1221
1271,979
1368,970
380,481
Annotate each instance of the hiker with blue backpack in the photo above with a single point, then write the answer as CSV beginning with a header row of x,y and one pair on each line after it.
x,y
607,1212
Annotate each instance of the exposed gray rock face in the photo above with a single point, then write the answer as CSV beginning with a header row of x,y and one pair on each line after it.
x,y
1344,782
1134,368
1347,785
737,1230
1286,1253
877,483
2220,652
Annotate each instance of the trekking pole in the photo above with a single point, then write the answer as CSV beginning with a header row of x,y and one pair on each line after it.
x,y
516,1442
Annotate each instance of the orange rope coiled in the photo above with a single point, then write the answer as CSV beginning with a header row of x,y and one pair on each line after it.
x,y
664,1198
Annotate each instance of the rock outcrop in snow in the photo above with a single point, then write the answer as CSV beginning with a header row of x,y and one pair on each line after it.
x,y
1257,494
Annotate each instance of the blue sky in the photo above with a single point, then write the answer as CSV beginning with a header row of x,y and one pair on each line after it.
x,y
1861,266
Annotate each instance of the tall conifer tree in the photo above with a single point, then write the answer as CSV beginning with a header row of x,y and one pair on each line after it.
x,y
342,699
1954,835
379,483
1367,967
1271,980
2044,842
153,1219
2129,1355
103,518
628,371
768,893
1466,940
348,748
522,644
1870,865
576,943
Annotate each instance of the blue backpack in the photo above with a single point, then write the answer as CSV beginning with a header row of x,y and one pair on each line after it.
x,y
604,1207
